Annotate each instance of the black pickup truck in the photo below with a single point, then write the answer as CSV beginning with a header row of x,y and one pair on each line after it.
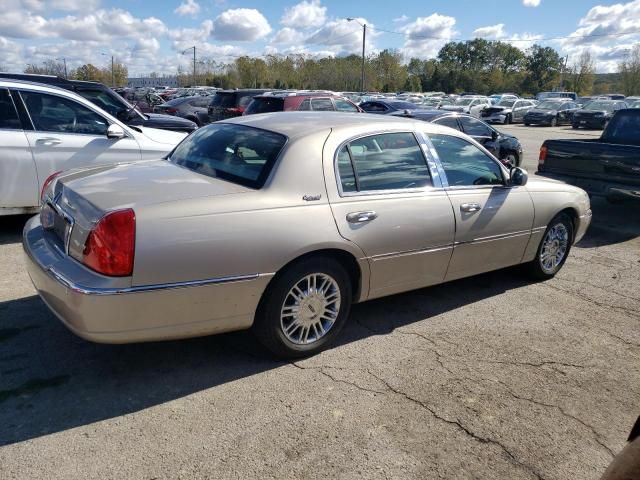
x,y
608,166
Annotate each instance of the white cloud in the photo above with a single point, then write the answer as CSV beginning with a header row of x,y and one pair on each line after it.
x,y
531,3
241,24
343,36
426,35
21,24
607,32
305,15
492,32
401,19
188,7
287,36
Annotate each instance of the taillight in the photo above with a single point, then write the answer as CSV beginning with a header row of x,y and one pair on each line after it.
x,y
171,110
543,155
46,184
238,110
110,246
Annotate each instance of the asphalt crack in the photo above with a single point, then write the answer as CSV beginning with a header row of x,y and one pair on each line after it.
x,y
630,311
456,423
322,371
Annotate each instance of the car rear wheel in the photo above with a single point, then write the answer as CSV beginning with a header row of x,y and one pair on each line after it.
x,y
508,119
511,160
553,249
574,126
554,122
304,309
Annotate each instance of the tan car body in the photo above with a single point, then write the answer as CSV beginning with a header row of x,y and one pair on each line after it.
x,y
206,249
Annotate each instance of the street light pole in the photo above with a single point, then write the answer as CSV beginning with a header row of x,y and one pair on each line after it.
x,y
113,81
194,62
364,37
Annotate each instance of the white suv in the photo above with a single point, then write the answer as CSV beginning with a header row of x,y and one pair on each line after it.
x,y
45,129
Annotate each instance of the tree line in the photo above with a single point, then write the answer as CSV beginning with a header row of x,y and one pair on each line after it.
x,y
480,66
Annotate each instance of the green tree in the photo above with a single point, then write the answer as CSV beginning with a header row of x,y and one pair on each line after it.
x,y
581,75
629,71
543,66
87,72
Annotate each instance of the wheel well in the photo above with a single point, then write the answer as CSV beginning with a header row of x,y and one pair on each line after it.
x,y
573,215
347,260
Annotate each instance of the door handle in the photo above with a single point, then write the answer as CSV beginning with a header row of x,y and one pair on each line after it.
x,y
48,141
361,217
470,207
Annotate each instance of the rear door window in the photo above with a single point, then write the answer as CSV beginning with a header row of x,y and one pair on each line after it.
x,y
389,161
450,122
321,104
9,119
344,106
224,100
305,105
474,128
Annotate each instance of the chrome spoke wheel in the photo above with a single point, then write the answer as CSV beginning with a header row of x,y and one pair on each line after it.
x,y
554,248
310,309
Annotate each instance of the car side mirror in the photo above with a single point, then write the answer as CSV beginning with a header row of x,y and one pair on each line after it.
x,y
518,176
115,131
494,135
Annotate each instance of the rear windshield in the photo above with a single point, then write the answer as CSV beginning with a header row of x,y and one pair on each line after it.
x,y
225,100
235,153
602,106
404,105
549,105
265,105
623,129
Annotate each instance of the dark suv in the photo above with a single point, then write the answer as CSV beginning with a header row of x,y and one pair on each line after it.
x,y
110,102
288,101
231,103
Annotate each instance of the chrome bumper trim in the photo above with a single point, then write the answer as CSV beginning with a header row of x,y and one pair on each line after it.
x,y
53,273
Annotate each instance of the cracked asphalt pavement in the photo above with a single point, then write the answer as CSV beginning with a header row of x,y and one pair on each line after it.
x,y
488,377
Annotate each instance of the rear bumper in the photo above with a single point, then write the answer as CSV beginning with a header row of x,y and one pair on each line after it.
x,y
597,187
137,314
538,120
495,118
582,225
589,122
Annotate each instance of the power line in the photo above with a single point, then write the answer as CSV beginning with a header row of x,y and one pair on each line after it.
x,y
533,39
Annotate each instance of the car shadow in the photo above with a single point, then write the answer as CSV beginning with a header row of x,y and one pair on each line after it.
x,y
611,223
11,228
51,380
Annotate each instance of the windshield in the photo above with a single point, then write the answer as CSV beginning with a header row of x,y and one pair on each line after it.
x,y
506,103
265,105
548,105
602,106
403,105
225,100
464,101
234,153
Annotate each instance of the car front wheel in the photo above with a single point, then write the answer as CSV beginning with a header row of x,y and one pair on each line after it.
x,y
553,249
304,309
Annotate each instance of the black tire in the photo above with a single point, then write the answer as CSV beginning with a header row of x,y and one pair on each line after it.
x,y
526,124
535,267
268,326
194,120
508,119
553,122
574,126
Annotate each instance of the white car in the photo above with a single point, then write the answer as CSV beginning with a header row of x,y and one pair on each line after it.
x,y
45,129
469,105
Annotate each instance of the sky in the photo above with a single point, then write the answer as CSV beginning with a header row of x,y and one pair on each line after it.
x,y
151,36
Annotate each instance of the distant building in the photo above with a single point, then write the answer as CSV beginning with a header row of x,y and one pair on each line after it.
x,y
152,82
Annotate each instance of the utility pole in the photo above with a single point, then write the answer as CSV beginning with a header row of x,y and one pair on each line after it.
x,y
364,37
64,60
194,63
113,77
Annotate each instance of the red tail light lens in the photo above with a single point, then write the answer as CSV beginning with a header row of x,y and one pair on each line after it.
x,y
171,110
110,246
543,155
239,110
46,184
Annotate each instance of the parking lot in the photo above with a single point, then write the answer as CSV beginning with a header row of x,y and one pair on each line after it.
x,y
488,377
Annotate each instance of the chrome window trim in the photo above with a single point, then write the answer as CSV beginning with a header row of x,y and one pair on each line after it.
x,y
77,288
344,194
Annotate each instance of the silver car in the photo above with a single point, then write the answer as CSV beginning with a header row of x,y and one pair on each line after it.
x,y
280,222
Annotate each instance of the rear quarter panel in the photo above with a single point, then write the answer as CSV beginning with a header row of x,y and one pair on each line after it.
x,y
245,233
